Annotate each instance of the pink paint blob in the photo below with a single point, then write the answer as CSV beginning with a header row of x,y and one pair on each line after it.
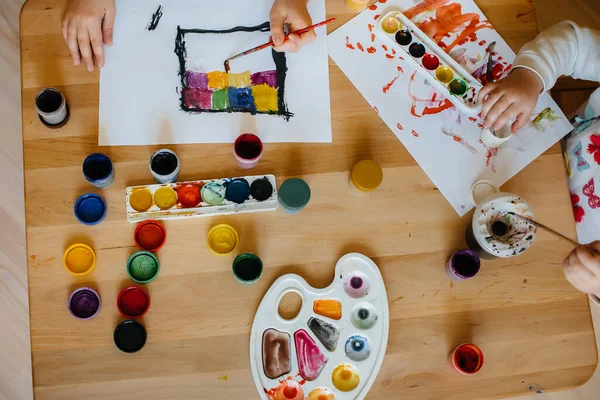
x,y
310,358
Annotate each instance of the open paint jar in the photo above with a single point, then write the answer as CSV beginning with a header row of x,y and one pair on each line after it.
x,y
247,149
494,232
294,195
79,259
164,165
247,268
84,303
462,265
98,170
90,209
130,336
466,359
492,138
133,302
143,267
52,108
222,239
150,236
366,177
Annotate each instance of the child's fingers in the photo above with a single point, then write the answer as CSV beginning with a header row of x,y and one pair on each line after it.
x,y
72,43
289,46
487,89
521,121
496,111
276,19
307,37
591,262
83,39
108,24
510,112
95,32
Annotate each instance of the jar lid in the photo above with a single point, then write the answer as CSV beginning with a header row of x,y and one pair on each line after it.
x,y
367,175
481,190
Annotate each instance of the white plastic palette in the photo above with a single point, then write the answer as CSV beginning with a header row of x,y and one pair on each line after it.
x,y
363,326
177,211
465,102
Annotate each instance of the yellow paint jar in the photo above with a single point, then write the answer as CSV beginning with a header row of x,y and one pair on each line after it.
x,y
79,259
366,177
140,199
357,5
165,197
222,239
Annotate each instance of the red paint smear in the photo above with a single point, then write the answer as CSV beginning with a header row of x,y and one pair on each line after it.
x,y
519,15
482,43
456,138
400,57
414,133
33,257
382,1
360,46
427,5
447,19
473,27
384,47
399,68
376,109
348,45
437,107
372,37
389,56
376,16
373,7
389,85
399,126
434,110
370,27
472,119
393,51
371,50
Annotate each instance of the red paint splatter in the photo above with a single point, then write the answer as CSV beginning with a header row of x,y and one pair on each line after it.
x,y
33,256
469,32
399,126
376,16
489,158
370,26
389,85
472,119
360,46
384,47
519,15
482,43
393,51
456,138
432,106
480,126
373,7
371,50
376,109
348,44
389,56
400,57
399,68
428,5
414,133
372,37
383,1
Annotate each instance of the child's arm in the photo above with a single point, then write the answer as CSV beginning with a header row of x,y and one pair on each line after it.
x,y
582,269
86,24
563,49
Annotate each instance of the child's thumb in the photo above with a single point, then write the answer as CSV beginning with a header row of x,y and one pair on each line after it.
x,y
277,29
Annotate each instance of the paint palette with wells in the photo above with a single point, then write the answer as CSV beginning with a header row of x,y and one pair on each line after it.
x,y
333,348
201,198
430,61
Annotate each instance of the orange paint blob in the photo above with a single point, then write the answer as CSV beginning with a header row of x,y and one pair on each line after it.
x,y
371,50
360,46
189,195
389,56
328,308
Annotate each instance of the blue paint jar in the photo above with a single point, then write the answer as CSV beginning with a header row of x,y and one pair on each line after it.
x,y
90,209
294,195
98,170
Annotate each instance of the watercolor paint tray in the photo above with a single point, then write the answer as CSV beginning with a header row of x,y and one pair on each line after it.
x,y
193,203
431,61
329,330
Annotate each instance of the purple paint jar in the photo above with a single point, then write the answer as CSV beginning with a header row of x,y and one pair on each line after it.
x,y
464,264
84,303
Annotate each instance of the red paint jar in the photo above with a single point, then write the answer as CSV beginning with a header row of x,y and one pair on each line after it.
x,y
247,149
430,61
133,302
466,359
189,195
150,236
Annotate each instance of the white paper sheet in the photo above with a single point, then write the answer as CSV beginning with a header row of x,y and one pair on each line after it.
x,y
445,143
140,85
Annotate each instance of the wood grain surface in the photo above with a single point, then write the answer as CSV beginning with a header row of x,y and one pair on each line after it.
x,y
532,326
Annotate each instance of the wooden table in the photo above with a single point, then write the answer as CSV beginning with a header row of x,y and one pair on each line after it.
x,y
534,328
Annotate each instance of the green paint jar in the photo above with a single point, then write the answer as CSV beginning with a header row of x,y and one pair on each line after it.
x,y
294,195
143,267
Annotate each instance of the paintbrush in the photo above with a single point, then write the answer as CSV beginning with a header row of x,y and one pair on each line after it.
x,y
270,42
539,225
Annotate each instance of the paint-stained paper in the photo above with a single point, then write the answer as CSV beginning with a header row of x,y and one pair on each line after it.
x,y
443,141
164,80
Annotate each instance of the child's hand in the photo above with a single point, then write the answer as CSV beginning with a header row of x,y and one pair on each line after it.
x,y
582,268
515,96
294,13
88,23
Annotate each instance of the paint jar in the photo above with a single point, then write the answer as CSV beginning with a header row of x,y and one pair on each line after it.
x,y
366,177
130,336
247,149
90,209
481,190
357,5
143,267
462,265
133,302
98,170
494,232
294,195
466,359
84,303
213,193
492,138
222,239
164,165
52,108
247,268
79,259
150,236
